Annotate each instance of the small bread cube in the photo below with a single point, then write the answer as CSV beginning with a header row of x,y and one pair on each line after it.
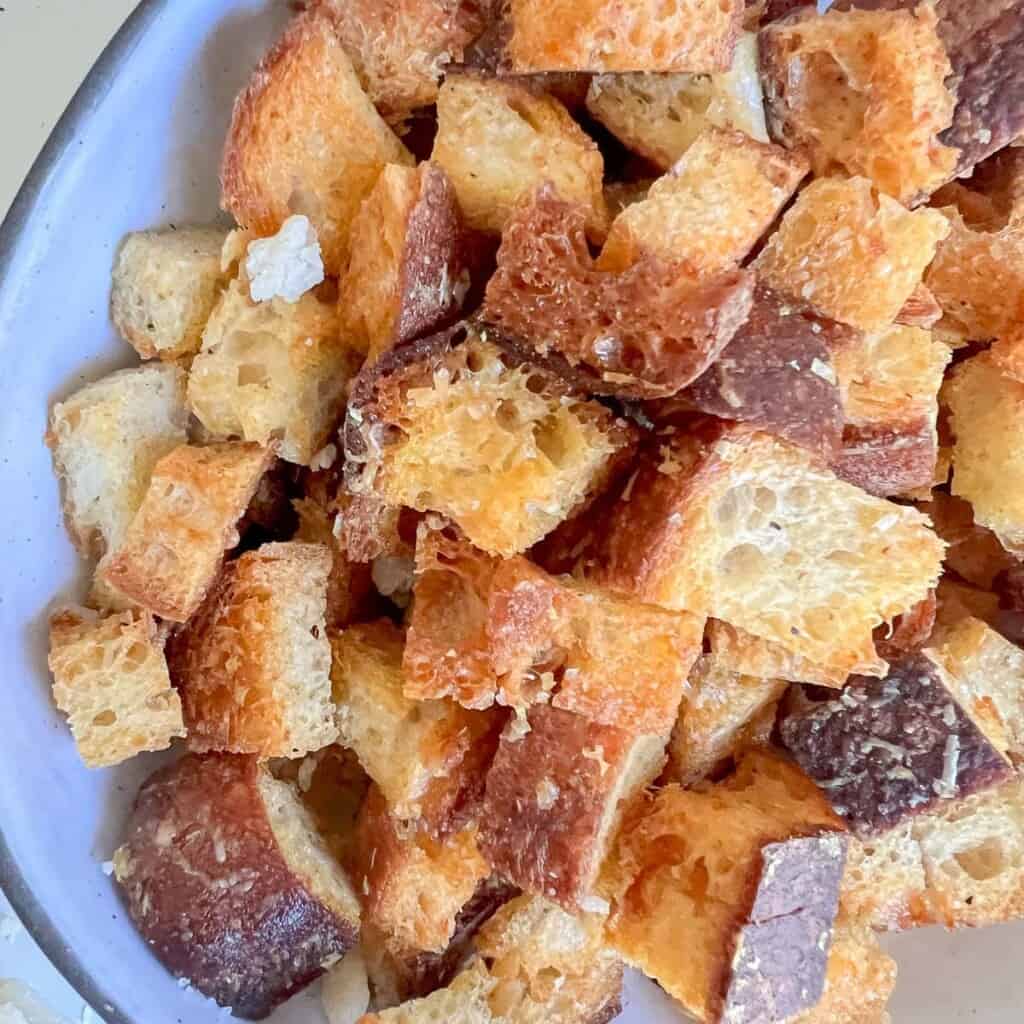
x,y
106,438
173,549
305,139
498,141
863,92
230,884
253,664
711,208
972,551
554,798
164,287
854,255
461,424
645,331
110,679
406,277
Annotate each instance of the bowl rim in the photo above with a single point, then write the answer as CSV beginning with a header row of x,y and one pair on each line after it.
x,y
26,205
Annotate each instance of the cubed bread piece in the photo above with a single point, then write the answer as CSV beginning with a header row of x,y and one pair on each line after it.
x,y
164,287
570,35
407,276
751,530
972,552
272,371
306,139
712,206
498,141
696,878
173,549
554,797
887,749
462,424
660,115
644,331
106,438
253,663
890,382
110,679
853,254
863,92
229,883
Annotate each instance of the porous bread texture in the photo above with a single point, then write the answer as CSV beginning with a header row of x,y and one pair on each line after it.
x,y
590,35
498,141
105,439
748,529
660,116
853,254
305,139
464,1001
711,208
110,679
173,549
253,663
272,372
863,92
164,286
972,552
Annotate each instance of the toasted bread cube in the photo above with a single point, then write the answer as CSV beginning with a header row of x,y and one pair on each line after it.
x,y
173,549
305,139
106,438
230,884
972,551
498,141
272,371
554,798
164,287
461,424
856,256
406,276
711,208
863,92
110,678
751,530
253,664
645,331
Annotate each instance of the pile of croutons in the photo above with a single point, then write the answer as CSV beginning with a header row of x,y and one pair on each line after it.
x,y
575,518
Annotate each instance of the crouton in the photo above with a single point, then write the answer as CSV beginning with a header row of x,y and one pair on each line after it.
x,y
164,287
173,549
110,679
645,331
106,438
406,276
660,116
554,797
863,92
253,664
460,423
272,371
305,139
229,883
711,208
854,255
972,551
498,140
751,530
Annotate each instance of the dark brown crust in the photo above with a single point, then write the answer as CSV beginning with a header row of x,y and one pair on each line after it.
x,y
888,459
212,894
891,748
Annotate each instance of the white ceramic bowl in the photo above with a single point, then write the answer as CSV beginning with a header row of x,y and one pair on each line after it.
x,y
140,146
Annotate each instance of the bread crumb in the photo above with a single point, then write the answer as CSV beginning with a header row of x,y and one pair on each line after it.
x,y
285,265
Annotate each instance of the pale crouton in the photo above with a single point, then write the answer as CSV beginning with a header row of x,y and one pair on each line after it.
x,y
164,286
106,438
972,551
173,549
498,140
253,664
853,254
110,679
305,139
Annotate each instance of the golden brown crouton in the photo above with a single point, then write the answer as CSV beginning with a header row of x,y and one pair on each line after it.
x,y
305,139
